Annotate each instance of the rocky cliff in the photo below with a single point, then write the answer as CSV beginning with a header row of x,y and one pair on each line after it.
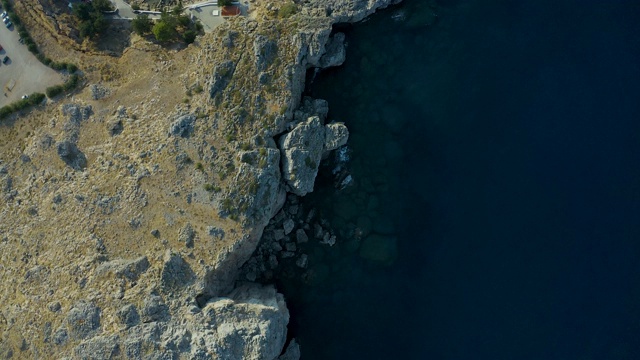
x,y
128,209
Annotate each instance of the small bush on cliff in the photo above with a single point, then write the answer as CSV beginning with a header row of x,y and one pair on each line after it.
x,y
91,22
32,100
287,10
163,31
175,25
142,24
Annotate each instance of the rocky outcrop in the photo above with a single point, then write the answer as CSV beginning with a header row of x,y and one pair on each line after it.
x,y
292,352
250,323
71,155
182,126
344,11
131,245
303,148
221,77
250,309
336,135
336,53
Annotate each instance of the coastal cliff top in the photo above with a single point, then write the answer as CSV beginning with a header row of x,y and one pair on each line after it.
x,y
150,186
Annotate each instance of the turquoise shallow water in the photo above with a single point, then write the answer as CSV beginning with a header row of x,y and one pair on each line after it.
x,y
496,198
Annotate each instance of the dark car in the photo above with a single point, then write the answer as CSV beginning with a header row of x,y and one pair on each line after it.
x,y
9,24
5,60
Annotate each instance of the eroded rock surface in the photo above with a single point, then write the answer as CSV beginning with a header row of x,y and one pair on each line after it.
x,y
127,214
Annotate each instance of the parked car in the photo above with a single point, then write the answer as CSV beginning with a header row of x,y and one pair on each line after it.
x,y
9,24
4,14
5,59
5,20
25,97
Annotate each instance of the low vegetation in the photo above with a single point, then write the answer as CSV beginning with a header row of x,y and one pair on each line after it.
x,y
33,99
287,10
142,24
172,26
91,22
70,84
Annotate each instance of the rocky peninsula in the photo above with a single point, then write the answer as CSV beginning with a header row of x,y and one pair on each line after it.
x,y
129,208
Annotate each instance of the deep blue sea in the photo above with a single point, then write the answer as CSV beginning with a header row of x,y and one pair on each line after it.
x,y
495,210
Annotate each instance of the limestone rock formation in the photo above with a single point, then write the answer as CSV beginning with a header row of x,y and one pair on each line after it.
x,y
128,212
336,135
182,126
302,150
336,53
71,155
250,309
292,352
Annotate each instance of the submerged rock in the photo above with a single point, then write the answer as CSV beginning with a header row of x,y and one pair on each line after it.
x,y
292,353
380,249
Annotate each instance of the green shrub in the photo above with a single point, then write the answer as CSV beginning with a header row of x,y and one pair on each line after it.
x,y
71,68
91,21
225,2
53,91
5,111
287,10
33,48
58,65
142,24
71,83
189,36
36,98
14,18
102,5
33,99
163,31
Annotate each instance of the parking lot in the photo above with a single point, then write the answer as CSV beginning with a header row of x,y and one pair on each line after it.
x,y
23,70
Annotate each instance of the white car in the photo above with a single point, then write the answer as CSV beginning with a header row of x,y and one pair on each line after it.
x,y
5,20
25,97
4,14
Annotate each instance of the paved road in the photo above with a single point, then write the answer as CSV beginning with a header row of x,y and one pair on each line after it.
x,y
29,74
202,11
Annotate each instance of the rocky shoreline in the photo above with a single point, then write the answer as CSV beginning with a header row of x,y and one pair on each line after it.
x,y
128,294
